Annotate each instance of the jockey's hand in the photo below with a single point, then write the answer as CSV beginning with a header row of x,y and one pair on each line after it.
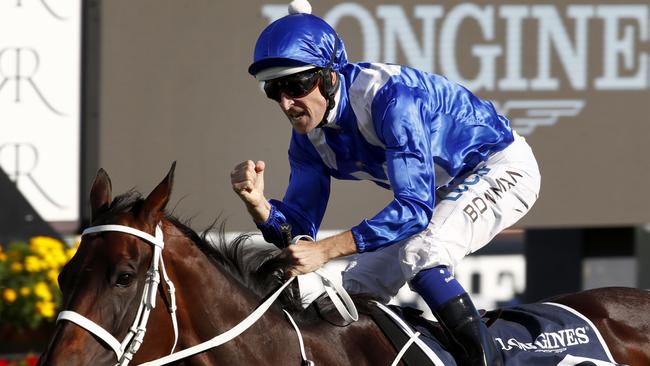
x,y
247,179
305,257
308,256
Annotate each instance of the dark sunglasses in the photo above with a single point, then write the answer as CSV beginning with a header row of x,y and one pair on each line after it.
x,y
294,86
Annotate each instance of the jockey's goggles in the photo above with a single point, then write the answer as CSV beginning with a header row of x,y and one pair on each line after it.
x,y
294,86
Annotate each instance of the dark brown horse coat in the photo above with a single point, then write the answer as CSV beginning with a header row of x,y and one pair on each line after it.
x,y
104,282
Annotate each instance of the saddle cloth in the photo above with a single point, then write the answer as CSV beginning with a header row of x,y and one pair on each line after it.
x,y
542,334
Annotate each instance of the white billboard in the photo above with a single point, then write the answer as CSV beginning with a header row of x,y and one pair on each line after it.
x,y
40,58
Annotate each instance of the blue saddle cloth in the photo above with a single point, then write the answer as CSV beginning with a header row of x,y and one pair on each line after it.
x,y
542,334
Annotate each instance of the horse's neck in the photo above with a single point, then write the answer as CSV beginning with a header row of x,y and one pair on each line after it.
x,y
211,301
209,297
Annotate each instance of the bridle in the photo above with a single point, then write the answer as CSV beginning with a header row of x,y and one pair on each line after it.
x,y
125,349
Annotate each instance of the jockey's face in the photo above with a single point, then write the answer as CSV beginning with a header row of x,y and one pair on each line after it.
x,y
304,112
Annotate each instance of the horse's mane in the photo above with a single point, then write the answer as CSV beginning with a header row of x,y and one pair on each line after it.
x,y
263,271
258,269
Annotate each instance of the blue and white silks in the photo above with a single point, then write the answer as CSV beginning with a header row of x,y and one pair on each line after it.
x,y
405,130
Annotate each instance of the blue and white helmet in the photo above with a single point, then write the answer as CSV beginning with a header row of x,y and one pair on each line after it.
x,y
296,42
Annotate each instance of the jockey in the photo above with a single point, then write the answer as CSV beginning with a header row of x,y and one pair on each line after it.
x,y
458,172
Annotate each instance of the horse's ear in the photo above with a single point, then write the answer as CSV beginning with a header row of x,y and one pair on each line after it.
x,y
155,203
100,194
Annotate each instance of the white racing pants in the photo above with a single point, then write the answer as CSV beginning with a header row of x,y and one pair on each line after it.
x,y
468,214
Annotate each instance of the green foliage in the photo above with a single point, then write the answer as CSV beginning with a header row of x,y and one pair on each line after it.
x,y
28,281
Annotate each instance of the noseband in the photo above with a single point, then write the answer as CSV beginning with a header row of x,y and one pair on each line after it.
x,y
125,350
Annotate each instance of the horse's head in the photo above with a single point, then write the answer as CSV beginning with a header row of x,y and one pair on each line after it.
x,y
105,280
119,300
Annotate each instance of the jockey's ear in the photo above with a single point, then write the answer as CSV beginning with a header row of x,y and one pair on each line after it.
x,y
100,194
154,205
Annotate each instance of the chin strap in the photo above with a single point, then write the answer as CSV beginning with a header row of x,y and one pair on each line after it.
x,y
331,103
330,92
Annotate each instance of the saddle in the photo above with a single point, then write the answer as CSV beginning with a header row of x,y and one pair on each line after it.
x,y
542,334
436,348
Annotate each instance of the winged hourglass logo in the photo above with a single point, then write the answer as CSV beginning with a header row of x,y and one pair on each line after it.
x,y
526,115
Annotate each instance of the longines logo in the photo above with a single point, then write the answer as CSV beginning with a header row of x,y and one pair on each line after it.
x,y
548,342
526,115
431,38
19,66
46,5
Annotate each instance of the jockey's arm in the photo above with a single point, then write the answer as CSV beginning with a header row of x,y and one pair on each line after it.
x,y
412,180
261,212
247,179
308,256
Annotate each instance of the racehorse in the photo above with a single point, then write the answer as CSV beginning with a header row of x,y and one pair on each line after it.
x,y
105,282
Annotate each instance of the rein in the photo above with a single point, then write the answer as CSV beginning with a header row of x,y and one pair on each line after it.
x,y
223,337
125,350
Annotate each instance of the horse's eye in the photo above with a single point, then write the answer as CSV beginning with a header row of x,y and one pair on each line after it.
x,y
125,279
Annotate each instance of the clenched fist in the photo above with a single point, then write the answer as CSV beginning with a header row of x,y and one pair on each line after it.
x,y
247,179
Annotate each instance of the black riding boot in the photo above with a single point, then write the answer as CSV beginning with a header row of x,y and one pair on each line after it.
x,y
472,343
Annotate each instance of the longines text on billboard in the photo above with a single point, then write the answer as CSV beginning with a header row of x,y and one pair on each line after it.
x,y
428,36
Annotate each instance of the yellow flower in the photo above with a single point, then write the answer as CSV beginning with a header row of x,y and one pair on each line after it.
x,y
53,275
33,264
9,295
43,245
25,291
43,291
46,308
59,258
32,270
45,242
16,267
49,261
